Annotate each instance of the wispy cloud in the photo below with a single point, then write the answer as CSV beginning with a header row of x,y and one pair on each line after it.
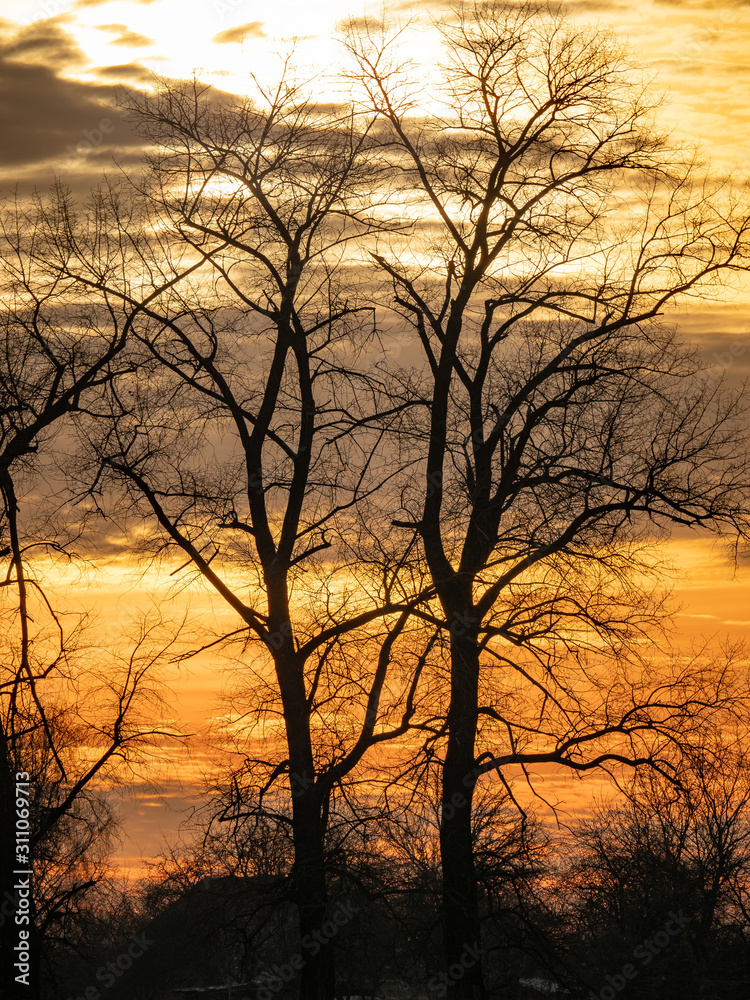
x,y
232,35
125,36
133,72
42,42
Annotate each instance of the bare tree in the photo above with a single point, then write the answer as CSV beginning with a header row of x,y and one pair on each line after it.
x,y
563,426
57,353
552,429
666,849
253,442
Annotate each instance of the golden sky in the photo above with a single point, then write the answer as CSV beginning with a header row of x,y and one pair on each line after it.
x,y
60,61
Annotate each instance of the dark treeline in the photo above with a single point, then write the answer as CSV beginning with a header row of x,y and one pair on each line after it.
x,y
646,898
391,379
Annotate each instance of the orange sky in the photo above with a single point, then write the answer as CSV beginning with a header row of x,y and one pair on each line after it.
x,y
59,61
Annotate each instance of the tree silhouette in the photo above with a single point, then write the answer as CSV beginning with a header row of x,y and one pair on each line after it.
x,y
667,849
56,356
562,423
451,551
254,444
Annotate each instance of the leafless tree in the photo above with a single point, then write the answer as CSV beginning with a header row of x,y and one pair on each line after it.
x,y
253,441
563,426
667,848
56,355
545,429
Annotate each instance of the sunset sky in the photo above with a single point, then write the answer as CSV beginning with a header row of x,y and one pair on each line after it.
x,y
60,64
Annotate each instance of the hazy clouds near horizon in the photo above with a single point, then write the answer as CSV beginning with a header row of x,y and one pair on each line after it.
x,y
58,73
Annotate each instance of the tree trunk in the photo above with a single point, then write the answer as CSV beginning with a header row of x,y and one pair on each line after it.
x,y
317,975
461,925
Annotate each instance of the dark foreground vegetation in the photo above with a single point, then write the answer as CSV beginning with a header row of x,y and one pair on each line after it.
x,y
647,898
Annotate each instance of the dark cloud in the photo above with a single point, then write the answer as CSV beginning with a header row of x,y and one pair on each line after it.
x,y
52,125
252,30
133,72
42,41
133,40
722,338
126,36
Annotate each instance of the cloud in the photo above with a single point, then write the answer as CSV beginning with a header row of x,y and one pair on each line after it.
x,y
126,37
46,114
252,30
708,5
361,25
410,5
45,42
52,125
133,72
